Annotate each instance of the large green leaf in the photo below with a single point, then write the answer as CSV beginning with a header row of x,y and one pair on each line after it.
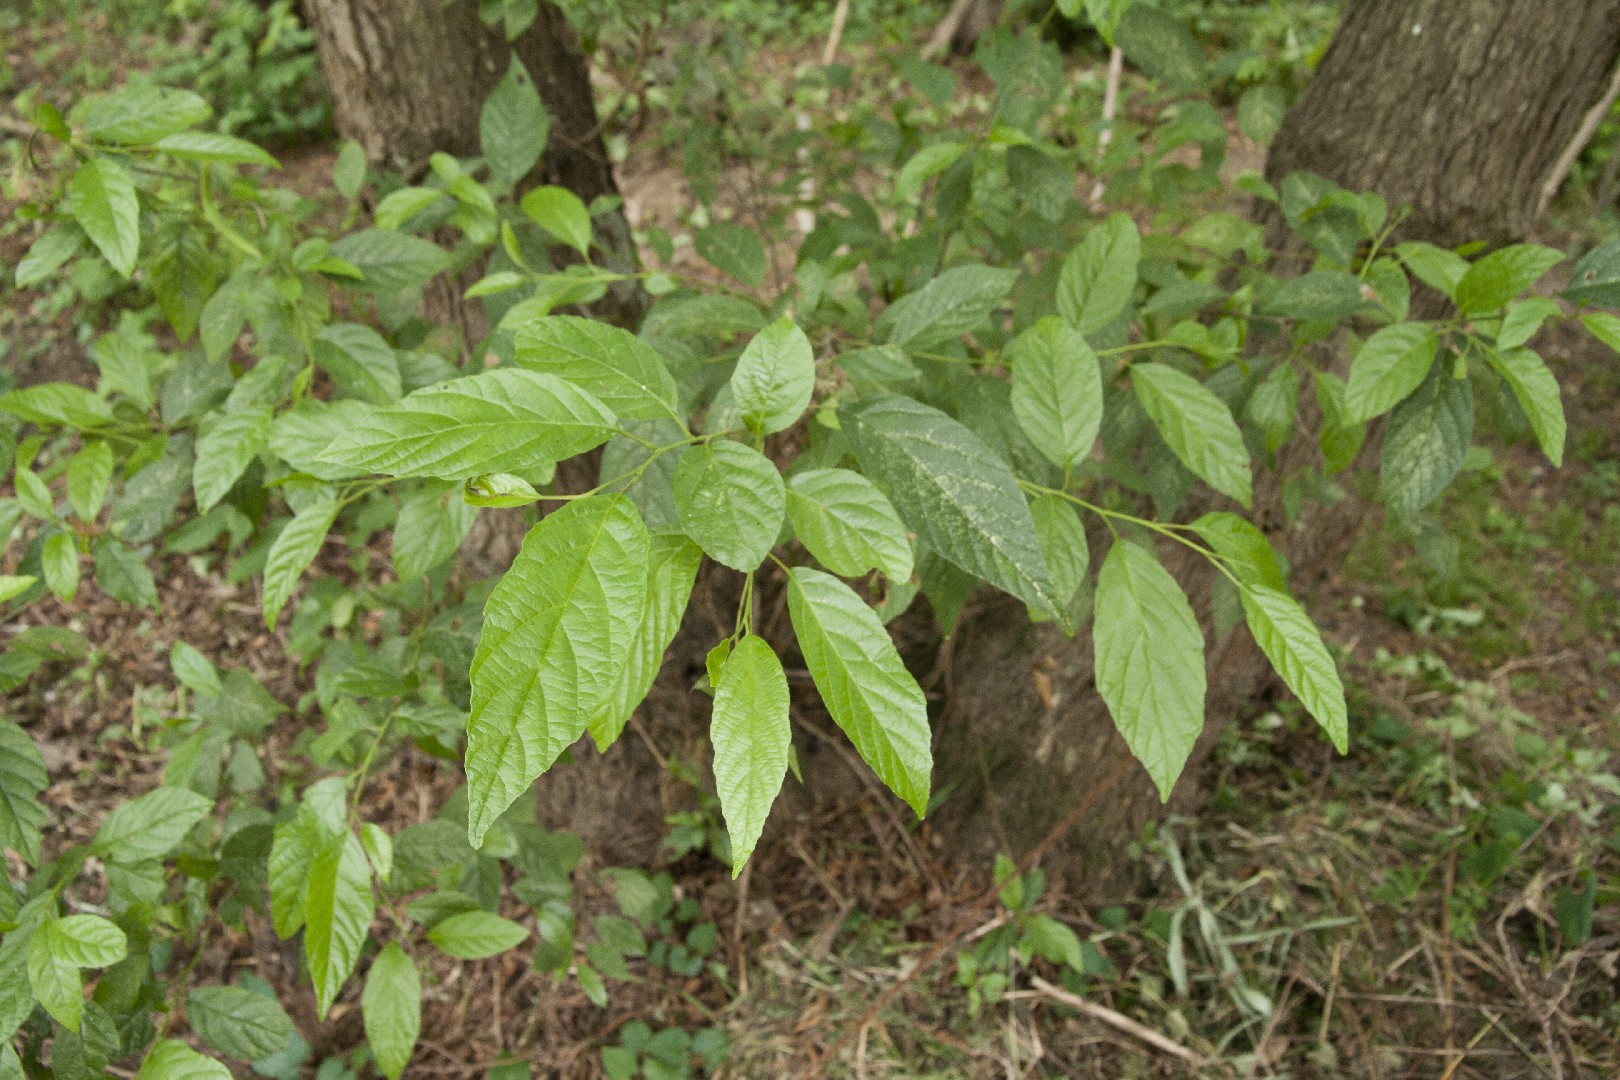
x,y
391,1007
215,147
1099,275
751,737
622,371
337,913
863,682
955,492
1426,441
513,125
151,826
101,198
848,524
172,1059
557,629
959,300
1057,392
497,421
22,778
773,381
238,1022
1149,661
294,549
673,571
1294,646
432,523
1390,364
1502,275
1197,426
141,113
1537,391
731,501
58,403
56,983
561,213
226,444
391,261
86,941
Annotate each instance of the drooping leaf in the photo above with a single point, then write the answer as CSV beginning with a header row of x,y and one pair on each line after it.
x,y
622,371
557,629
513,125
731,501
955,492
1149,661
101,198
238,1022
1294,646
294,549
1426,441
1247,552
1197,426
1537,392
751,737
391,1007
1057,392
337,913
775,378
1390,364
848,524
863,682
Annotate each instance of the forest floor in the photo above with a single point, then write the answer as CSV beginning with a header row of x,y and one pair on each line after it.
x,y
1412,909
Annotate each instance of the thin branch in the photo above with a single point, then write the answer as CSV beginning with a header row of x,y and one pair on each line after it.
x,y
840,14
946,30
1583,135
1118,1021
1116,70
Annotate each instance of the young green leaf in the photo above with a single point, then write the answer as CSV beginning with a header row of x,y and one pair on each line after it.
x,y
1436,267
141,113
1537,392
391,1007
48,255
227,443
172,1059
1149,661
194,670
474,935
59,559
294,549
1245,549
238,1022
561,213
731,501
498,421
847,524
151,826
1426,441
1320,294
955,492
863,682
1502,275
923,166
775,378
337,913
1197,426
1057,392
1523,319
86,941
1099,275
733,248
1294,646
88,474
58,403
512,126
22,778
214,147
557,629
1600,324
391,262
673,570
122,573
751,737
1390,364
56,983
624,372
1063,542
101,198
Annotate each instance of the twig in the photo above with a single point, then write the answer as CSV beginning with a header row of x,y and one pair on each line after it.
x,y
1117,1020
1116,70
946,30
1583,135
840,13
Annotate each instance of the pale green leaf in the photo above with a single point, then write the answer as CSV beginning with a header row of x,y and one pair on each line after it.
x,y
432,523
1099,275
337,913
293,551
622,371
55,982
775,378
101,198
1197,426
848,524
151,826
1063,542
923,166
561,213
361,363
392,1009
1294,646
86,941
140,113
1436,267
22,778
194,670
957,301
474,935
513,125
731,501
88,474
391,262
1057,392
1537,392
48,255
1245,549
226,446
733,248
172,1059
1390,364
1523,320
1502,275
59,559
751,737
215,147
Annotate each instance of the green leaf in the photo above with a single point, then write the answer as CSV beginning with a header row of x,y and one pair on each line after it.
x,y
59,559
238,1022
1197,426
474,935
172,1059
504,420
139,114
226,446
1320,294
33,496
88,474
1523,319
337,913
1537,391
13,585
294,549
1057,392
863,682
557,629
1596,277
1600,324
122,573
1063,542
923,166
731,501
86,941
22,778
1294,646
151,826
399,206
1426,441
959,497
101,198
392,1008
56,982
213,147
1160,44
1245,549
390,261
735,249
673,567
1387,368
751,737
624,372
561,213
513,125
48,255
360,362
1260,112
959,300
1436,267
58,403
432,523
848,524
1502,275
1099,275
775,378
194,670
1149,661
1340,438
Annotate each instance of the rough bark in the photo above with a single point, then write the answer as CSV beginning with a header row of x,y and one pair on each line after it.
x,y
409,77
1458,108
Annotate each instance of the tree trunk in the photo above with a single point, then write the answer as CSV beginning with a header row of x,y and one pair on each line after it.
x,y
1457,108
409,77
